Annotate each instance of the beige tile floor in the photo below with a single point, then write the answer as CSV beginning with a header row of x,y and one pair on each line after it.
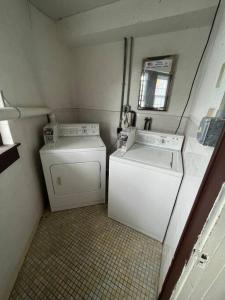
x,y
83,254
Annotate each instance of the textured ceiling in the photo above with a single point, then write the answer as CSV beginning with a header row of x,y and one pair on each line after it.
x,y
57,9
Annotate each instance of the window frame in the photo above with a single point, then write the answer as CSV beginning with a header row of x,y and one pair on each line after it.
x,y
8,155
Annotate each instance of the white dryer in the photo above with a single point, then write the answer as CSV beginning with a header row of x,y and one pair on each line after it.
x,y
74,167
144,182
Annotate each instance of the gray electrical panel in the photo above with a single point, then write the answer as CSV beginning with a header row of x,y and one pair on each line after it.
x,y
209,130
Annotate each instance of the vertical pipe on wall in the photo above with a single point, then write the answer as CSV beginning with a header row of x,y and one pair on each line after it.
x,y
123,80
130,69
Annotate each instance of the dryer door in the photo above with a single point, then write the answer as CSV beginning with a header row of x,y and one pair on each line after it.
x,y
76,178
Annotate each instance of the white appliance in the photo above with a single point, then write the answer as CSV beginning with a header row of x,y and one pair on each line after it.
x,y
144,182
74,167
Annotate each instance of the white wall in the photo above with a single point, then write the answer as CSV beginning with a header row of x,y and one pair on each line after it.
x,y
52,64
32,73
196,157
98,78
21,202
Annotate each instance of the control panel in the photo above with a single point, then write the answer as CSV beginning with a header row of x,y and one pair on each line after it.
x,y
78,129
161,140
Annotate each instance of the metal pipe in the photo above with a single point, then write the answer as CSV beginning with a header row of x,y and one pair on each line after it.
x,y
10,113
123,80
130,69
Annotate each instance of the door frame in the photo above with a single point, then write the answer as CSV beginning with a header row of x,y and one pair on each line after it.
x,y
209,189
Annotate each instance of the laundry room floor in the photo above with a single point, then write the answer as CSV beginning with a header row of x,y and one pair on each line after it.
x,y
83,254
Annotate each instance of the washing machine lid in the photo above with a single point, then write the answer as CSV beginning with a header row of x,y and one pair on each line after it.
x,y
65,144
151,156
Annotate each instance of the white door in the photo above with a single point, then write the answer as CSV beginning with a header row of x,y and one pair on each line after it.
x,y
76,178
203,278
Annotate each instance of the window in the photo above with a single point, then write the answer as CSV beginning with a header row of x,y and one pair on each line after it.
x,y
8,150
160,91
5,133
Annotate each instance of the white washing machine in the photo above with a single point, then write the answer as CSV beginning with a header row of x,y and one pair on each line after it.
x,y
74,167
144,182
